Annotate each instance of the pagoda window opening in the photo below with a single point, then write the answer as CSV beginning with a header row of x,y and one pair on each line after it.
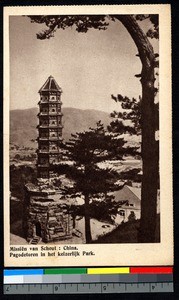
x,y
122,212
52,98
43,161
44,135
43,123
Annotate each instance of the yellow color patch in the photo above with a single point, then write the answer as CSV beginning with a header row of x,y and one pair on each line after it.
x,y
108,271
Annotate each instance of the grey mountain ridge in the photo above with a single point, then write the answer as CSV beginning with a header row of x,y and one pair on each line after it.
x,y
23,123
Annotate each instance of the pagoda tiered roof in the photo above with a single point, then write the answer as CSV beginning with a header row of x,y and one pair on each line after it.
x,y
50,86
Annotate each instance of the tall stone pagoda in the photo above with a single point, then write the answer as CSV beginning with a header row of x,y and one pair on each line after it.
x,y
49,128
46,216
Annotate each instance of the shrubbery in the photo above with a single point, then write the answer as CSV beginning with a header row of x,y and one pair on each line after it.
x,y
19,176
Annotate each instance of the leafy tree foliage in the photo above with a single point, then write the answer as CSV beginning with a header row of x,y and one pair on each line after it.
x,y
83,23
130,111
103,210
153,32
127,121
88,150
20,176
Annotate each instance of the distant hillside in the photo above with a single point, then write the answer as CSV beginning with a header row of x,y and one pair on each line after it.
x,y
23,123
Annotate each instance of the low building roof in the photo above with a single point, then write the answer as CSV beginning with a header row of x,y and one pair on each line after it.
x,y
133,196
130,194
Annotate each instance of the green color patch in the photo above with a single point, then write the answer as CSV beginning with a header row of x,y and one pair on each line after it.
x,y
66,271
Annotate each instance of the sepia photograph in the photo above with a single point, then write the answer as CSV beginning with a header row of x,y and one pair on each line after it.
x,y
84,146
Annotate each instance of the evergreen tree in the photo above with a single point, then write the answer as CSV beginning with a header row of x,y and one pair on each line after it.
x,y
129,121
131,112
89,150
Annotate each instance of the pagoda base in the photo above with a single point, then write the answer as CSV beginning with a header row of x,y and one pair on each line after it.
x,y
46,215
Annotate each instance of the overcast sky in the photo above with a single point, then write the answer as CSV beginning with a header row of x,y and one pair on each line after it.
x,y
89,67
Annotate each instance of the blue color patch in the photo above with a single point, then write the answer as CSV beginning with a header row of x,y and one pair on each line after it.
x,y
23,272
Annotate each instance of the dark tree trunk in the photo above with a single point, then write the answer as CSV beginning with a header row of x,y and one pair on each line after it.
x,y
87,221
74,221
150,161
149,145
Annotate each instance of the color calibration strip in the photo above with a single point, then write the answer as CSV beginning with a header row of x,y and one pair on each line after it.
x,y
88,280
83,275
